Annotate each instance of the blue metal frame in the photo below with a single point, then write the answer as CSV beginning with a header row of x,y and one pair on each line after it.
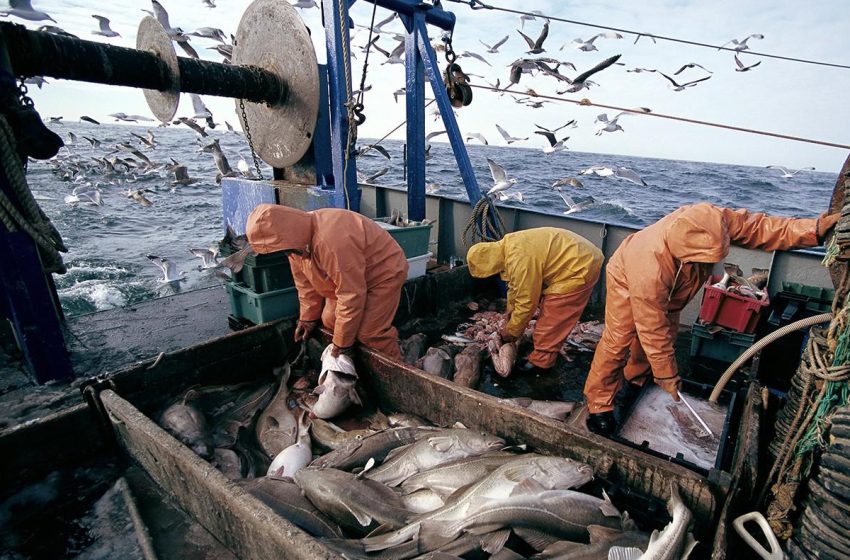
x,y
336,33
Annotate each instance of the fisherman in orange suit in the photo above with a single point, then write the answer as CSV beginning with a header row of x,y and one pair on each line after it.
x,y
348,271
652,276
550,268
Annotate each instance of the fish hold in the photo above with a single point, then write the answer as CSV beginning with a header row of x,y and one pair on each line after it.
x,y
357,453
188,425
229,463
437,362
432,450
503,356
357,504
413,348
674,542
558,410
468,366
286,499
277,428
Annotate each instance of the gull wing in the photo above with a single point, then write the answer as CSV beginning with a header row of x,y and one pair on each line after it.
x,y
527,39
629,175
201,111
497,171
598,68
550,136
500,43
160,14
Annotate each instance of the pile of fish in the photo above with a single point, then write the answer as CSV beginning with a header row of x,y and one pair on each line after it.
x,y
583,338
733,281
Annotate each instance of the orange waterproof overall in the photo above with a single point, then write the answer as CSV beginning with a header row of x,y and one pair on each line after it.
x,y
349,274
550,268
656,272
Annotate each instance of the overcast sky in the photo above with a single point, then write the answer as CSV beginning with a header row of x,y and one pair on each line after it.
x,y
777,96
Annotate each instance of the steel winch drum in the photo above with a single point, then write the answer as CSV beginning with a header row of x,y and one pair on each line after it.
x,y
272,36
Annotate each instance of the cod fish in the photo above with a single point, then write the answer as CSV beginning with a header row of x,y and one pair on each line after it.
x,y
432,450
336,386
526,474
563,513
503,356
468,366
328,436
675,542
296,456
445,479
413,347
602,540
377,446
405,420
356,503
277,428
558,410
228,462
423,500
437,362
188,425
286,499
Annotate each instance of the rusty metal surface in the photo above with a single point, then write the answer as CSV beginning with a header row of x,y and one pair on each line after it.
x,y
836,205
152,38
271,36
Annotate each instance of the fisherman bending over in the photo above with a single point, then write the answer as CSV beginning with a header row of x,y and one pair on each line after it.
x,y
550,268
653,274
340,260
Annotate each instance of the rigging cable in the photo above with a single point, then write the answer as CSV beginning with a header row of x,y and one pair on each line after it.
x,y
478,5
586,102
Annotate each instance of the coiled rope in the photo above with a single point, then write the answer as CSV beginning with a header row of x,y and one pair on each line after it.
x,y
484,224
30,217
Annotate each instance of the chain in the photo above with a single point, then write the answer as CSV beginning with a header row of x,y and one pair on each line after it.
x,y
451,57
250,140
360,118
23,90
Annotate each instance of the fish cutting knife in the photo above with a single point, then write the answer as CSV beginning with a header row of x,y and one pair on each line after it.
x,y
697,416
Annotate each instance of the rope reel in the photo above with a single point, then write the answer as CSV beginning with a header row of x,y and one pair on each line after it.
x,y
271,37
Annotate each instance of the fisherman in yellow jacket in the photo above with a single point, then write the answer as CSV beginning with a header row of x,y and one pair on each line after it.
x,y
550,268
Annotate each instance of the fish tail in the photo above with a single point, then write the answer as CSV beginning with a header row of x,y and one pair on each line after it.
x,y
389,540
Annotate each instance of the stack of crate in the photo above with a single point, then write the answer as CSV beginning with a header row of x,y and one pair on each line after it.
x,y
414,240
263,290
727,323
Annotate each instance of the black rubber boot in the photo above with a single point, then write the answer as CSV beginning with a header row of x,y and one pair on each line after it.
x,y
529,368
602,423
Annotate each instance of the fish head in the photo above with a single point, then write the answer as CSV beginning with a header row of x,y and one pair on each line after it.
x,y
478,443
561,473
336,393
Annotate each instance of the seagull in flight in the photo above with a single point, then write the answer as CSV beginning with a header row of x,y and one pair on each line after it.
x,y
691,65
477,136
606,125
493,49
571,181
104,30
508,138
572,205
169,269
788,174
740,67
85,193
681,87
581,81
500,178
588,45
476,56
181,176
571,123
148,141
742,44
139,196
531,16
208,256
554,144
88,119
617,172
23,9
536,47
201,111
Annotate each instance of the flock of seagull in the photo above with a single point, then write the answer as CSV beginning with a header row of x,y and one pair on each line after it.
x,y
133,165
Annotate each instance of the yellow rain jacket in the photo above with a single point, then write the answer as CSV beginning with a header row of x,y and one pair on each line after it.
x,y
535,262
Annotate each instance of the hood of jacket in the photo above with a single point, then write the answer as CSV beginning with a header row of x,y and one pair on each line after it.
x,y
486,259
272,227
698,234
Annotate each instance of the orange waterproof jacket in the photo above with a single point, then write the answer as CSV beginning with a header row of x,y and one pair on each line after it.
x,y
664,265
535,262
343,255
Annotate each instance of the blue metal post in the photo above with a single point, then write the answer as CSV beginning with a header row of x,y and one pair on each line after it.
x,y
336,33
322,151
415,100
432,70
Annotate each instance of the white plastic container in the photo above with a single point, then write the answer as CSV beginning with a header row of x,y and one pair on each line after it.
x,y
417,265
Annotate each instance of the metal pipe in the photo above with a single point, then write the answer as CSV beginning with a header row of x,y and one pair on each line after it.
x,y
433,16
34,53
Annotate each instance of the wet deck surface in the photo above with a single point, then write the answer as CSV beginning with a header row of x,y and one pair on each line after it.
x,y
110,340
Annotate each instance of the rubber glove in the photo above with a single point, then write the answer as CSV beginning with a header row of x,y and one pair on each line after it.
x,y
825,223
304,329
670,384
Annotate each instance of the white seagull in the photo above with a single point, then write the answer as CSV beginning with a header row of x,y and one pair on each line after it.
x,y
572,205
555,145
493,49
786,173
742,44
588,45
508,138
581,81
500,178
740,67
606,125
618,172
105,30
571,181
681,87
208,256
201,111
85,193
477,136
169,269
23,9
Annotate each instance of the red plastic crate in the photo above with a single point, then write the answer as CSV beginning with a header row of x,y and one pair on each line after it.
x,y
730,310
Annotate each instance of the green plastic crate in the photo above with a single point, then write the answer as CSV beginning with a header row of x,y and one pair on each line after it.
x,y
724,345
262,273
820,299
261,308
412,239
